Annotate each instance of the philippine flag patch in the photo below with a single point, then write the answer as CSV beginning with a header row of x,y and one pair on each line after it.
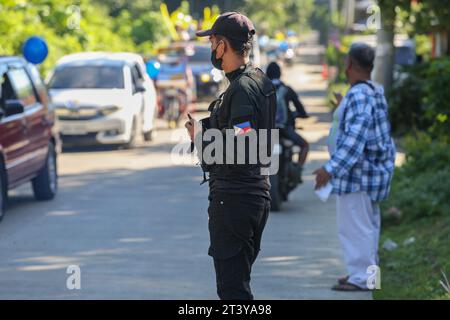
x,y
242,128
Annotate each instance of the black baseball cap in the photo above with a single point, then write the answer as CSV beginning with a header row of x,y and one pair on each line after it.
x,y
232,25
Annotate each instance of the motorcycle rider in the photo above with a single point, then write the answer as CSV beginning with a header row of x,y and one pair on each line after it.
x,y
286,117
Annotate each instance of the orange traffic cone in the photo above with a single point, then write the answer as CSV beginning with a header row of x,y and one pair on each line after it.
x,y
324,71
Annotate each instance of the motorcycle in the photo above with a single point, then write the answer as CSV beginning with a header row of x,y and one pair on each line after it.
x,y
288,176
175,90
289,57
172,106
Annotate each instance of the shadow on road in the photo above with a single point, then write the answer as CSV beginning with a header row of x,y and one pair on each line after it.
x,y
135,234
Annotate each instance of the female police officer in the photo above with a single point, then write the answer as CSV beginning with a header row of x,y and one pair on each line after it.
x,y
239,193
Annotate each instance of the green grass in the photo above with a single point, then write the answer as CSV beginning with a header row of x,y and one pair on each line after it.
x,y
414,271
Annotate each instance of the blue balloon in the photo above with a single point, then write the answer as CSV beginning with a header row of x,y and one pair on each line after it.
x,y
35,50
153,68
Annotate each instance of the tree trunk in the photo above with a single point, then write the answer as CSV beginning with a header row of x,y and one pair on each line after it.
x,y
385,51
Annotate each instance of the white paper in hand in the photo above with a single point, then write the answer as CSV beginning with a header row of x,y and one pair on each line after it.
x,y
324,192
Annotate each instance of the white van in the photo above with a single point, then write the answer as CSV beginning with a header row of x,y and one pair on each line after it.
x,y
103,98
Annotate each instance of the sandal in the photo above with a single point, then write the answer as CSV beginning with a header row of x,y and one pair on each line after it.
x,y
343,280
347,287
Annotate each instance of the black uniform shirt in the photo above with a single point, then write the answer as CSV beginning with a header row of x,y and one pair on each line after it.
x,y
248,98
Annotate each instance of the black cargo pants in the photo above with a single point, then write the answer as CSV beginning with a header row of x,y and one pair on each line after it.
x,y
236,224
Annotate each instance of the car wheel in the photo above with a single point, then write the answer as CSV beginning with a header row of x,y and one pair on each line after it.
x,y
148,136
3,192
133,135
275,203
45,185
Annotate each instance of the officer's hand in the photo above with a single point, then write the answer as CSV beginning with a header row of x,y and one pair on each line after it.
x,y
322,178
193,127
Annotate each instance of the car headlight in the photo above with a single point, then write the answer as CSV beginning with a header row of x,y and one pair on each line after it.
x,y
61,111
204,77
289,53
108,110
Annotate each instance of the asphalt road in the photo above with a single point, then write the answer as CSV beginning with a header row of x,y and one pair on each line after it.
x,y
135,222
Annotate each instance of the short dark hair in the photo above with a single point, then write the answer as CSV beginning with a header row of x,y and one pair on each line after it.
x,y
273,71
242,48
362,55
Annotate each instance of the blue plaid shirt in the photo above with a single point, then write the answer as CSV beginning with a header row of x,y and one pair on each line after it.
x,y
364,156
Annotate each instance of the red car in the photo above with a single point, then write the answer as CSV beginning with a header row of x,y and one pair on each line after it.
x,y
28,137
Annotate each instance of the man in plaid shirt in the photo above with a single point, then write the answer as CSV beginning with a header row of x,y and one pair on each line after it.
x,y
361,167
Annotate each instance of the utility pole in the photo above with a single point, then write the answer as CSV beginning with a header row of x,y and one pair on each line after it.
x,y
350,14
385,51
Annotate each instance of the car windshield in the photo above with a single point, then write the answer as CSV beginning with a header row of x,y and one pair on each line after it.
x,y
199,54
88,77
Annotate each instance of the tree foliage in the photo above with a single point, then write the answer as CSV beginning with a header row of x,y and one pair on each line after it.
x,y
424,16
85,25
273,16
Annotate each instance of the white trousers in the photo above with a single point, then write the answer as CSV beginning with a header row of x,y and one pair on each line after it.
x,y
358,220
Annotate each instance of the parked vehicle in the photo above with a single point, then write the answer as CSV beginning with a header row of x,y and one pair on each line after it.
x,y
174,84
289,172
103,98
208,80
29,141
